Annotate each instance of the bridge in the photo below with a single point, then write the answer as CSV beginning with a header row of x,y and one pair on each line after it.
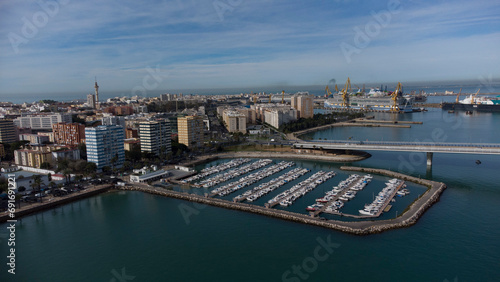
x,y
425,147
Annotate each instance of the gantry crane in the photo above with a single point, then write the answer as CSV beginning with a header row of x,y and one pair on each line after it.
x,y
283,97
394,96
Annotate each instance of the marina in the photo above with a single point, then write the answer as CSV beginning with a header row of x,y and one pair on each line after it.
x,y
345,191
251,178
289,196
216,169
265,188
223,177
262,188
383,199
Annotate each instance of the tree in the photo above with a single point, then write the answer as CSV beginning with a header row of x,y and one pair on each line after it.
x,y
134,155
37,181
62,164
21,189
49,177
106,169
52,184
83,151
113,161
90,168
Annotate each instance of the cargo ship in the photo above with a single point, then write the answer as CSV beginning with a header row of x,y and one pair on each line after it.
x,y
474,103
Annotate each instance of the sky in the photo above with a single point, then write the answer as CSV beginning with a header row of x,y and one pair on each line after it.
x,y
139,46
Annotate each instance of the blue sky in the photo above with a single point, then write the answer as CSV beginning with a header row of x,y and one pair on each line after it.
x,y
186,44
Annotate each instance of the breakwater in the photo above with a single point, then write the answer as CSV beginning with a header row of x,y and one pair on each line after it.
x,y
54,202
352,123
408,218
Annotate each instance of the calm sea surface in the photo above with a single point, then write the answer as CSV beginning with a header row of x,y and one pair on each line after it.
x,y
131,235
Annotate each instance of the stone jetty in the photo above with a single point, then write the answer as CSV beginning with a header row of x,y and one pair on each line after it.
x,y
408,218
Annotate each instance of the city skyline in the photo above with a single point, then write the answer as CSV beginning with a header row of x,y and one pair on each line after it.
x,y
136,47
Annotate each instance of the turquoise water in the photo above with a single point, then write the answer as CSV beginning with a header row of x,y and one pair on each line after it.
x,y
161,239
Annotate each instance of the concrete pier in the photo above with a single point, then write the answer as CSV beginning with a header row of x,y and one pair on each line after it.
x,y
429,160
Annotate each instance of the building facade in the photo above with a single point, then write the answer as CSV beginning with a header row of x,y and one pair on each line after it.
x,y
35,156
190,131
68,133
235,121
7,131
34,138
304,104
155,136
113,120
105,145
42,121
91,101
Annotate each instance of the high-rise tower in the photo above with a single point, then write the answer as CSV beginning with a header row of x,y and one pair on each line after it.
x,y
96,94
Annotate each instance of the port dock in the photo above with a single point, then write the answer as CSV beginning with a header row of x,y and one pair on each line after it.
x,y
408,218
384,208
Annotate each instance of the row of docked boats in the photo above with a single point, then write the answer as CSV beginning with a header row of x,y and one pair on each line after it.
x,y
266,188
289,196
383,197
216,169
403,192
251,179
223,177
346,190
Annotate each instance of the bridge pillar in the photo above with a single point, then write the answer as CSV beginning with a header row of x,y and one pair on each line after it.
x,y
429,160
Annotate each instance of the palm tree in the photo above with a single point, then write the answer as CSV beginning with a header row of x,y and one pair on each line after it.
x,y
67,174
37,180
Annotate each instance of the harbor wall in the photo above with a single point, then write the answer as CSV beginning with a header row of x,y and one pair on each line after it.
x,y
38,207
406,219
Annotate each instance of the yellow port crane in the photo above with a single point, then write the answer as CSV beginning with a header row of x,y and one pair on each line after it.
x,y
270,96
394,96
458,95
345,93
283,97
336,89
328,92
474,98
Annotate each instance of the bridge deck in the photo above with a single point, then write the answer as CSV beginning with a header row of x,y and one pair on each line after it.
x,y
431,147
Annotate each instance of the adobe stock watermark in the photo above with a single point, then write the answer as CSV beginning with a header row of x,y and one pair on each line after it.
x,y
362,38
223,6
188,210
438,135
487,83
150,81
11,228
39,20
310,264
121,276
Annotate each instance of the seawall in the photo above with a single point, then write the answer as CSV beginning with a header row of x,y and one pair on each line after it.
x,y
407,219
54,202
